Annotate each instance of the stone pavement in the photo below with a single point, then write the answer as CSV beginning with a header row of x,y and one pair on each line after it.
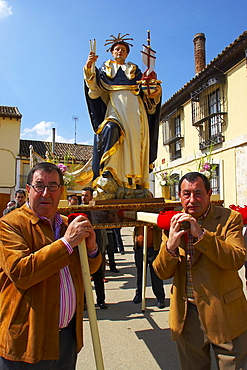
x,y
130,339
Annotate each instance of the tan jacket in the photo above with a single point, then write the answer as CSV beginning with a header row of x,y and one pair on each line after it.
x,y
30,261
218,256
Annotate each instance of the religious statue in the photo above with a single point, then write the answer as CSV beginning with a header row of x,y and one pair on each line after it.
x,y
124,109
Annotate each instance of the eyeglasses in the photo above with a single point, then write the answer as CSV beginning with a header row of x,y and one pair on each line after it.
x,y
39,188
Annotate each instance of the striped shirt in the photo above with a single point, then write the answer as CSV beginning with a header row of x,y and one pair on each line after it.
x,y
67,289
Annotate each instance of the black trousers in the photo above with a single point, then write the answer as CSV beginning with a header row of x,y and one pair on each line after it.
x,y
67,355
98,276
110,249
157,283
118,243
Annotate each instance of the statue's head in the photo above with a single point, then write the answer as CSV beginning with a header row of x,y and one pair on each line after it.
x,y
120,47
120,43
120,52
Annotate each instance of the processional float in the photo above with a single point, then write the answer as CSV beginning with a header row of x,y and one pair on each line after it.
x,y
119,213
148,84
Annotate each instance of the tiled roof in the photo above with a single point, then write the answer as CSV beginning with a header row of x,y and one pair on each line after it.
x,y
230,55
11,112
80,152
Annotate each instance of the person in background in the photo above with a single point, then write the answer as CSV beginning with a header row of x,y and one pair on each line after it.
x,y
20,198
9,204
118,243
41,284
86,195
110,251
153,236
208,305
98,276
73,200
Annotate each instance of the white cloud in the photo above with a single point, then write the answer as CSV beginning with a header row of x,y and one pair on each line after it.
x,y
43,131
5,9
88,142
39,131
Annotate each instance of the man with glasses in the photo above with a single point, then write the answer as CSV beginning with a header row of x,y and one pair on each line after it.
x,y
73,200
41,285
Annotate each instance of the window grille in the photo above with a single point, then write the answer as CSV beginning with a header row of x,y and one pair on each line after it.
x,y
209,109
174,187
172,134
215,180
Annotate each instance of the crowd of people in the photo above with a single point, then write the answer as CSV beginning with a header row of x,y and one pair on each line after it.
x,y
42,286
41,283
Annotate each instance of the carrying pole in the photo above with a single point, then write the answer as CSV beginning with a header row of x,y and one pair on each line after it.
x,y
90,306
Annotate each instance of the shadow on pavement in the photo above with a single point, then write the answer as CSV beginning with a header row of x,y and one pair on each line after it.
x,y
159,344
157,340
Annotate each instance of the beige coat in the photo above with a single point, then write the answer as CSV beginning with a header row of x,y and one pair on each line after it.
x,y
218,256
30,261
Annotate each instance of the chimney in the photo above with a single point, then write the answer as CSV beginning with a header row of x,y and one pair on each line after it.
x,y
199,52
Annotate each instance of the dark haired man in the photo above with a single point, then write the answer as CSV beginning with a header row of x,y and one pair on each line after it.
x,y
124,145
208,305
20,198
86,195
41,285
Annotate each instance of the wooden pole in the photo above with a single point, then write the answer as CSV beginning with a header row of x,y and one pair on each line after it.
x,y
90,306
144,268
150,218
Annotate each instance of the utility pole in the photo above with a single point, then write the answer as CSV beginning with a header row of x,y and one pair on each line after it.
x,y
75,119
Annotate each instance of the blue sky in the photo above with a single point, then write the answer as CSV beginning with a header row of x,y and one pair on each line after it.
x,y
45,43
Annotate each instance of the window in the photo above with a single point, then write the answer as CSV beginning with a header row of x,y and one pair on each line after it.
x,y
211,131
172,134
209,111
23,176
174,187
214,108
176,151
215,180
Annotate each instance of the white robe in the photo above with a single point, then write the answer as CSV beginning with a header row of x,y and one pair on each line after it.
x,y
129,158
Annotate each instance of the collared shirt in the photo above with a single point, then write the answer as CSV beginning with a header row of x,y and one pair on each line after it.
x,y
190,240
67,289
